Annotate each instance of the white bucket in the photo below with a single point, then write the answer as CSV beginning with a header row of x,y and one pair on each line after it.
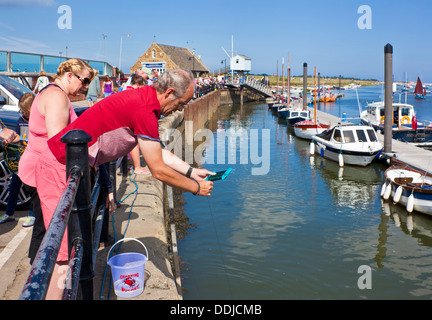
x,y
128,270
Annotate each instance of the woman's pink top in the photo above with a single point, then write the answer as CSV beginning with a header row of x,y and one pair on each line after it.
x,y
37,141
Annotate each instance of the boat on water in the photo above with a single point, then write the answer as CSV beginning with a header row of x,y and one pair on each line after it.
x,y
348,144
308,128
276,106
293,115
280,102
408,187
419,91
405,126
328,97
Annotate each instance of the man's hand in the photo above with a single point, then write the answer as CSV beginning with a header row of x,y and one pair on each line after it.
x,y
110,203
200,174
206,187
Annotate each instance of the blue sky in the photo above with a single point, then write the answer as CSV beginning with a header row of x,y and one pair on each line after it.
x,y
322,33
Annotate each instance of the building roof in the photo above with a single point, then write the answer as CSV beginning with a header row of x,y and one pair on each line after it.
x,y
242,56
184,58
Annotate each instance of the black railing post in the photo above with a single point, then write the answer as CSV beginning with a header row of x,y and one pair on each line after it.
x,y
80,221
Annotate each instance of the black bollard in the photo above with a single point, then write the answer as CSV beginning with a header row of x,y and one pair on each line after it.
x,y
80,223
388,98
305,86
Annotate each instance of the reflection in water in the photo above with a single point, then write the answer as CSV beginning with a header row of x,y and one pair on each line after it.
x,y
302,230
412,259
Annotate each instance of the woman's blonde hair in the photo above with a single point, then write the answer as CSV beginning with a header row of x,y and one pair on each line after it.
x,y
74,66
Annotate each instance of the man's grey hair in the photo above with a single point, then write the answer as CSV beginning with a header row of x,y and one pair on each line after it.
x,y
178,79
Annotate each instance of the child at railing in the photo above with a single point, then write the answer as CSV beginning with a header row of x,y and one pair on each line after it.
x,y
15,184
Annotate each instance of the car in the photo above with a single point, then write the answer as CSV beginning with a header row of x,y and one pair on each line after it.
x,y
10,93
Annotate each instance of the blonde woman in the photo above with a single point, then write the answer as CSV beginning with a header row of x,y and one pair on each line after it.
x,y
51,112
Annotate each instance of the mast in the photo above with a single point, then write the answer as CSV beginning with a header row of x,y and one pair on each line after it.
x,y
315,96
288,82
283,81
277,75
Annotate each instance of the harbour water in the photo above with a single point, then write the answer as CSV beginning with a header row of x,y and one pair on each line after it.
x,y
306,229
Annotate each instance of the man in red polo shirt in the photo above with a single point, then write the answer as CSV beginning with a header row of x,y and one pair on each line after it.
x,y
118,122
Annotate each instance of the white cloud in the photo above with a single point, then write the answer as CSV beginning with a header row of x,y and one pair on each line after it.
x,y
19,44
6,26
24,3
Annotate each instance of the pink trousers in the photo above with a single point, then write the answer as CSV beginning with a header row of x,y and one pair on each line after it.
x,y
50,183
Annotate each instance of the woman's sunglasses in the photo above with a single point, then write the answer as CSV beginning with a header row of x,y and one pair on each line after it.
x,y
85,81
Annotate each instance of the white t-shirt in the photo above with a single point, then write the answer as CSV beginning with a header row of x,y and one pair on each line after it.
x,y
42,82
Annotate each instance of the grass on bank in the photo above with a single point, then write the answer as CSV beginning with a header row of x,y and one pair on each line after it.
x,y
298,81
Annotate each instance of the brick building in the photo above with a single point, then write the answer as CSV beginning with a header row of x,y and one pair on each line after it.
x,y
161,57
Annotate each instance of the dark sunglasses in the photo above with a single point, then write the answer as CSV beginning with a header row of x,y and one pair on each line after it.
x,y
85,81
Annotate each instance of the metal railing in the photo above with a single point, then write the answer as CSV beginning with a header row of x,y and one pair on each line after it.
x,y
258,85
12,62
223,70
76,210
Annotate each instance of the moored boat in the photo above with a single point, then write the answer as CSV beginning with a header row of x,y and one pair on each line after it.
x,y
408,187
419,91
348,144
276,106
328,97
306,129
405,126
293,115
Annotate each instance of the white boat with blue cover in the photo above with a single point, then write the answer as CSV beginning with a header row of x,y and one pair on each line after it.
x,y
348,144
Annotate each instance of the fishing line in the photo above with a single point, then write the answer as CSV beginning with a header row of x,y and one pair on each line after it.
x,y
219,247
115,233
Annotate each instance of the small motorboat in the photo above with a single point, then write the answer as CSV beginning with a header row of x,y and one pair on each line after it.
x,y
405,125
328,97
408,187
348,144
307,129
293,115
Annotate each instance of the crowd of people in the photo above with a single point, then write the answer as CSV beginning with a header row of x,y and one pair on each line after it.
x,y
206,85
128,123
